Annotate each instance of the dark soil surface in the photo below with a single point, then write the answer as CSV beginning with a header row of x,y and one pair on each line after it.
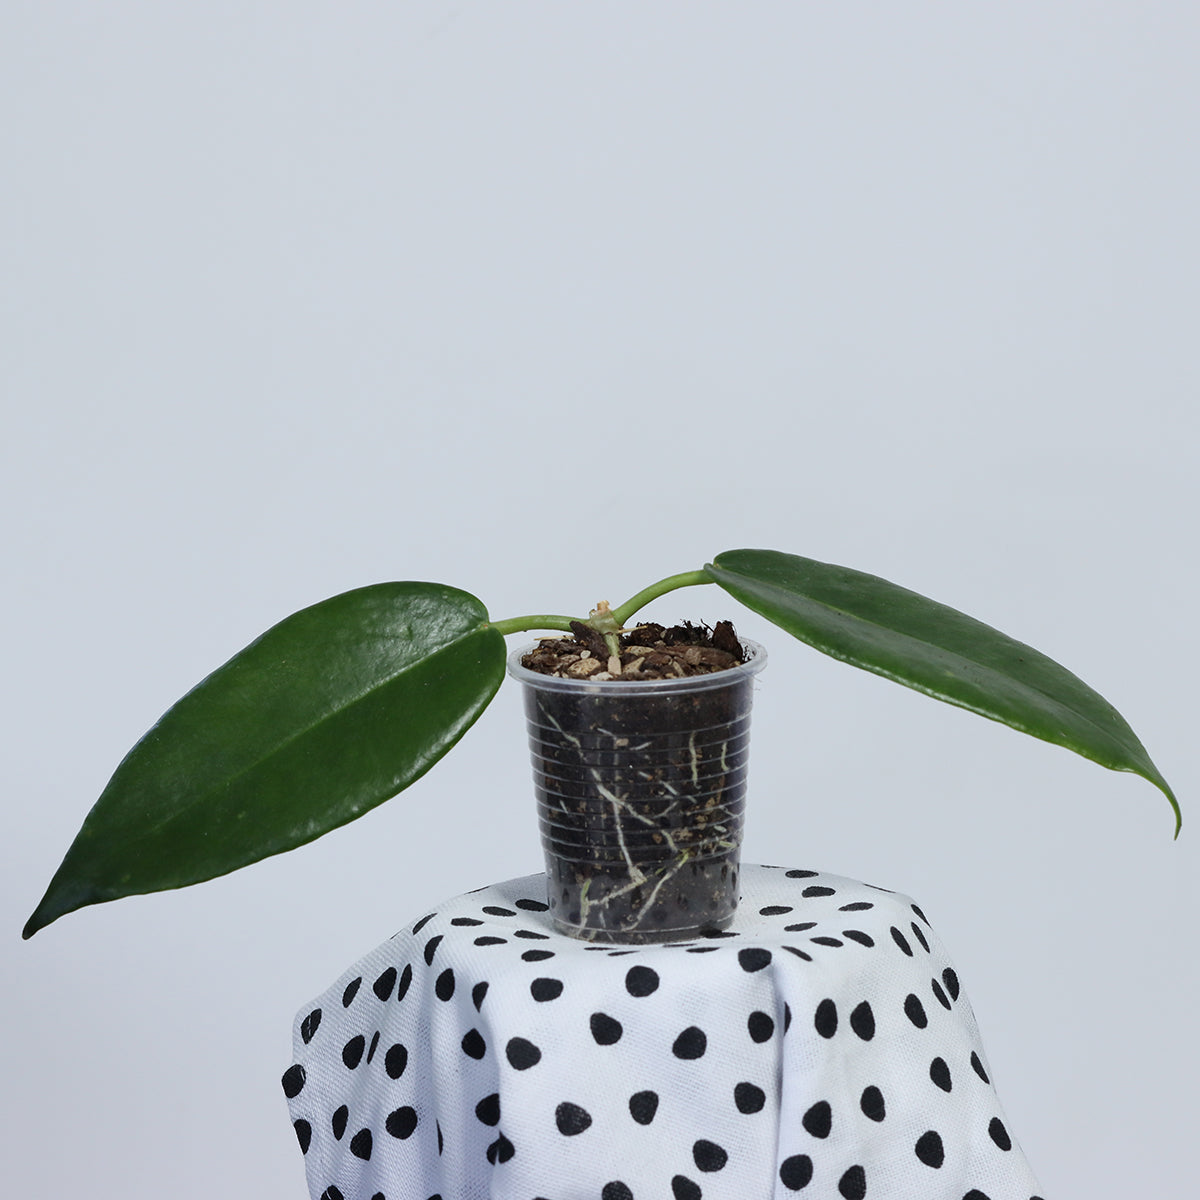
x,y
647,652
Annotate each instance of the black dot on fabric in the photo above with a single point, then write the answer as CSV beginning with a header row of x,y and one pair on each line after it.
x,y
381,1196
939,1072
351,991
827,941
825,1019
872,1104
532,905
473,1044
352,1051
431,949
423,922
444,988
641,981
620,953
719,933
373,1045
488,1109
774,910
761,1026
406,977
401,1122
466,922
615,1190
682,1188
749,1098
571,1119
920,914
382,987
605,1029
802,874
914,1010
862,1021
901,941
857,935
787,1018
494,910
708,1156
340,1116
488,940
438,1126
977,1067
522,1054
800,927
930,1150
853,1184
691,1043
919,935
309,1025
812,892
500,1151
976,1194
643,1106
529,935
395,1060
999,1134
360,1145
701,949
293,1081
537,955
819,1119
950,979
545,989
798,953
857,906
795,1172
754,958
303,1134
332,1193
477,994
942,999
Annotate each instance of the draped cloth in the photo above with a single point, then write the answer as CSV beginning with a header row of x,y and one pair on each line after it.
x,y
822,1047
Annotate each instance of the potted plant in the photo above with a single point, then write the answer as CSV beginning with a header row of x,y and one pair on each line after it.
x,y
346,703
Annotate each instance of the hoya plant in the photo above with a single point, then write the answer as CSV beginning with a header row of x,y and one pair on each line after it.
x,y
346,703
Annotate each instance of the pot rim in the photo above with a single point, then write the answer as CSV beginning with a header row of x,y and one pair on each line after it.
x,y
731,676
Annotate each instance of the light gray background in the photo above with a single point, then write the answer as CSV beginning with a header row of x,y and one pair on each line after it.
x,y
547,301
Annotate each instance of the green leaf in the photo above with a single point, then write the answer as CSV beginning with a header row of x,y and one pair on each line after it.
x,y
880,627
325,716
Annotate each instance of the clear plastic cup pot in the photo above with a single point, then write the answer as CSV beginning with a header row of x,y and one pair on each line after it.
x,y
641,790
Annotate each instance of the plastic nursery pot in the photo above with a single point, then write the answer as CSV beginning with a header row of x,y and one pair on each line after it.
x,y
641,789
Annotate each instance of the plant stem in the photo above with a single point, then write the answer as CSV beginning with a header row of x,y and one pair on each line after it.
x,y
601,619
537,621
686,579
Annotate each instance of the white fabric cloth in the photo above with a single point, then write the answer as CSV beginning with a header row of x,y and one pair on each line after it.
x,y
822,1047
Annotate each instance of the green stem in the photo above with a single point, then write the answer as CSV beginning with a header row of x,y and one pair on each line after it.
x,y
609,622
686,579
537,621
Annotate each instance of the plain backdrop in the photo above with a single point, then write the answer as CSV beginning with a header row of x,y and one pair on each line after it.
x,y
547,301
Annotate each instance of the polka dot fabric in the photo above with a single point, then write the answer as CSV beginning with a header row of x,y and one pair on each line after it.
x,y
822,1047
